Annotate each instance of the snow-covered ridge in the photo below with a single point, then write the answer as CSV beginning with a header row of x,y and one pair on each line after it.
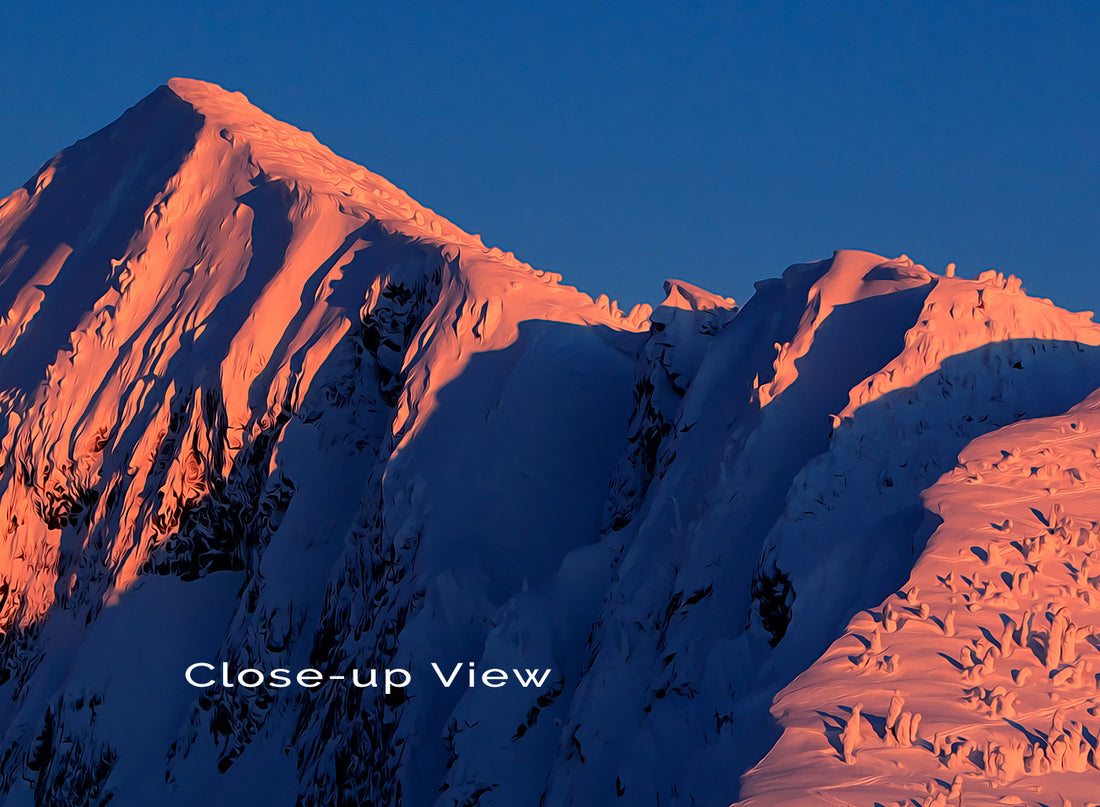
x,y
259,406
284,152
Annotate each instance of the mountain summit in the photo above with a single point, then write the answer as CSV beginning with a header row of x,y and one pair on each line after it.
x,y
259,408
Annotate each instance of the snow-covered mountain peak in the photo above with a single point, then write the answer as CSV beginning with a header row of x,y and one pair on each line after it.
x,y
849,278
259,406
680,294
217,103
211,144
284,152
197,189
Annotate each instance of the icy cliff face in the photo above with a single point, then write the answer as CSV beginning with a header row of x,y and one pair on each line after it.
x,y
260,407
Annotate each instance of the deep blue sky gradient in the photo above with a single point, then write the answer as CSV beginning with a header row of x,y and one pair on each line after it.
x,y
622,143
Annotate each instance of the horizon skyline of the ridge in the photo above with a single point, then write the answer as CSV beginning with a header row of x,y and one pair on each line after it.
x,y
618,150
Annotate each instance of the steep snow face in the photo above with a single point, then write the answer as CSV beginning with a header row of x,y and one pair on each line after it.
x,y
218,334
260,407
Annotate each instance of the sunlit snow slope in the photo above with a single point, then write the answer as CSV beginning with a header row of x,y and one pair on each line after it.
x,y
978,679
258,406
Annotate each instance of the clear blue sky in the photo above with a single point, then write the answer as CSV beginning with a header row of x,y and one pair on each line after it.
x,y
622,143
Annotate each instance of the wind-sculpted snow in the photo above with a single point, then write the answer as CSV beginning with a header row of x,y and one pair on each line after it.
x,y
976,680
260,407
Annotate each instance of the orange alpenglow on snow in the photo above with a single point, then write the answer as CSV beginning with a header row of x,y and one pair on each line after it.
x,y
1008,693
260,408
